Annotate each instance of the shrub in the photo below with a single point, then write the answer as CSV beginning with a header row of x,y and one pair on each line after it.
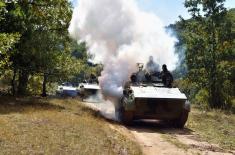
x,y
202,99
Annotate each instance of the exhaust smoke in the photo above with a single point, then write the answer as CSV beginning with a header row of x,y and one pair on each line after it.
x,y
119,35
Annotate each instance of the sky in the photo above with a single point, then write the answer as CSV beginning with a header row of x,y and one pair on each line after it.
x,y
167,10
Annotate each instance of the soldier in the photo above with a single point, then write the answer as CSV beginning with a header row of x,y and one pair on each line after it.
x,y
166,76
93,79
152,67
140,75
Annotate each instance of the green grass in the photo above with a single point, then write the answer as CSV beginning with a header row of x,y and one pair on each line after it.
x,y
214,126
55,126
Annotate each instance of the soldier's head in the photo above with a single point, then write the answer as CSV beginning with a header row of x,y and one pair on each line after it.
x,y
140,66
151,59
164,67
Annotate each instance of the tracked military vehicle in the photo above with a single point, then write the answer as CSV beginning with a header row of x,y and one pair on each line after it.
x,y
152,99
89,87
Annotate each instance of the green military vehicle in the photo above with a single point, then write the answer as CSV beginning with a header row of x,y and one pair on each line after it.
x,y
151,99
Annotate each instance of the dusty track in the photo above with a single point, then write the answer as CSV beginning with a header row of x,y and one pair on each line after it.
x,y
156,138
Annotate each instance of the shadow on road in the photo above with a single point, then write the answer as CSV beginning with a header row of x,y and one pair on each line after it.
x,y
155,126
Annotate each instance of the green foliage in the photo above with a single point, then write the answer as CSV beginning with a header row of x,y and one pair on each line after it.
x,y
5,80
7,42
35,84
34,43
180,48
209,42
86,68
186,86
79,50
202,99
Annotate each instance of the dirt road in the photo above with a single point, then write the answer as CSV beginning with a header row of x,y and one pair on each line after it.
x,y
156,138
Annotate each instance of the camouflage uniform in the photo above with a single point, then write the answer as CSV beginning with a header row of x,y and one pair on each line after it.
x,y
167,78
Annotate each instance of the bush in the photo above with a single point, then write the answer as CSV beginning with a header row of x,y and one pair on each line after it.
x,y
186,87
200,96
5,82
227,94
35,85
202,99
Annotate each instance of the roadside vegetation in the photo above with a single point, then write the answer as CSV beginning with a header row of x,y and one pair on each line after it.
x,y
206,50
210,130
36,52
56,126
214,126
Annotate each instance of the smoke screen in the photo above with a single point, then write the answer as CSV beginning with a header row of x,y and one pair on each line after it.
x,y
119,35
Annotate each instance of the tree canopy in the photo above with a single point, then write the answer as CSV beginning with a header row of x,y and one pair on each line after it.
x,y
208,38
34,41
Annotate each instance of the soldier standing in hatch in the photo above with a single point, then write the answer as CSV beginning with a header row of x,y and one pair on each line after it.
x,y
152,70
152,67
166,76
140,75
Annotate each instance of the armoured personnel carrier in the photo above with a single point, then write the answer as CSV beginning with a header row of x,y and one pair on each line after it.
x,y
88,89
151,99
66,89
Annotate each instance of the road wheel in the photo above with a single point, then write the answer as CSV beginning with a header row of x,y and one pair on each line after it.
x,y
127,117
180,122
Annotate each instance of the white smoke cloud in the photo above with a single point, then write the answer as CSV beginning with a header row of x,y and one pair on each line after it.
x,y
119,35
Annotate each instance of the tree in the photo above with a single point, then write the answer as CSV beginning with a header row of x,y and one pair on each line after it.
x,y
7,42
209,49
231,88
180,47
42,26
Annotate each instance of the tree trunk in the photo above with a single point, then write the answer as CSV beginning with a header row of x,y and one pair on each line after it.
x,y
215,101
44,90
23,82
13,83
